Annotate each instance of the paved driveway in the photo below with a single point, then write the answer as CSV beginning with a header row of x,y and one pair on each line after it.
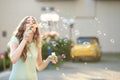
x,y
107,69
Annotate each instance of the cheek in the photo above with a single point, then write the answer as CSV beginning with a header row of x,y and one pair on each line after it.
x,y
27,25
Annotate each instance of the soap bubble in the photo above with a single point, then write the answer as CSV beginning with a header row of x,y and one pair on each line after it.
x,y
112,40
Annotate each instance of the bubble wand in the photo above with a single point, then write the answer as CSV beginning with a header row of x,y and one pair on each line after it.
x,y
30,28
53,55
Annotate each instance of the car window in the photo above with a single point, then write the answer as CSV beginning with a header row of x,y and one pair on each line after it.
x,y
84,41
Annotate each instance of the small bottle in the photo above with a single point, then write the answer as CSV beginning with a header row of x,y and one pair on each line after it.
x,y
53,55
30,28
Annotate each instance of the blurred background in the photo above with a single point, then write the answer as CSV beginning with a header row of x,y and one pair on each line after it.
x,y
92,18
67,20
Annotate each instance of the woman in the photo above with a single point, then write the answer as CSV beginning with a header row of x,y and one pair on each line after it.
x,y
25,51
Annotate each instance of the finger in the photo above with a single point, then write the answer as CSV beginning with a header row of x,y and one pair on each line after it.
x,y
29,31
49,57
53,61
56,58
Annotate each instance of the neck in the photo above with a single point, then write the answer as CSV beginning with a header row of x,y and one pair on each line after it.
x,y
31,39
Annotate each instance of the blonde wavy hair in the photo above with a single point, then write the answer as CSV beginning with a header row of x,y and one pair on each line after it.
x,y
19,34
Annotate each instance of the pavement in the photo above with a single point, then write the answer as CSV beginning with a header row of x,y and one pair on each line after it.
x,y
107,69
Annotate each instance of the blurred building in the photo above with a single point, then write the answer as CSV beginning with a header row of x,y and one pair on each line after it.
x,y
99,18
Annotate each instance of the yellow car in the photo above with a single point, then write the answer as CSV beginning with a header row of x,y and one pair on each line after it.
x,y
86,49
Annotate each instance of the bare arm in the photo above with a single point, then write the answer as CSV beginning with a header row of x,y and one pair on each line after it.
x,y
41,65
16,50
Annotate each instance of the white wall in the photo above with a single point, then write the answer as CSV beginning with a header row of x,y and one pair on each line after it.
x,y
108,13
106,27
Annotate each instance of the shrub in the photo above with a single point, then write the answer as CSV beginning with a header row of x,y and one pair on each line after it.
x,y
61,46
7,61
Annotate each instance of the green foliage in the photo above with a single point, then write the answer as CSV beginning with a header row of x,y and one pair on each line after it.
x,y
7,61
60,46
45,50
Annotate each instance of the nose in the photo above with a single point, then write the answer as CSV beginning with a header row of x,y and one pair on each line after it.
x,y
31,22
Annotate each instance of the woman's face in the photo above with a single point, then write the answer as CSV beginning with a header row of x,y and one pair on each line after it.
x,y
31,24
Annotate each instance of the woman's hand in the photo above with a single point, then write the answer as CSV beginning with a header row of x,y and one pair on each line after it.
x,y
53,60
28,34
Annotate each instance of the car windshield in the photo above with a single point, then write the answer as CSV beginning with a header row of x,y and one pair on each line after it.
x,y
83,41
